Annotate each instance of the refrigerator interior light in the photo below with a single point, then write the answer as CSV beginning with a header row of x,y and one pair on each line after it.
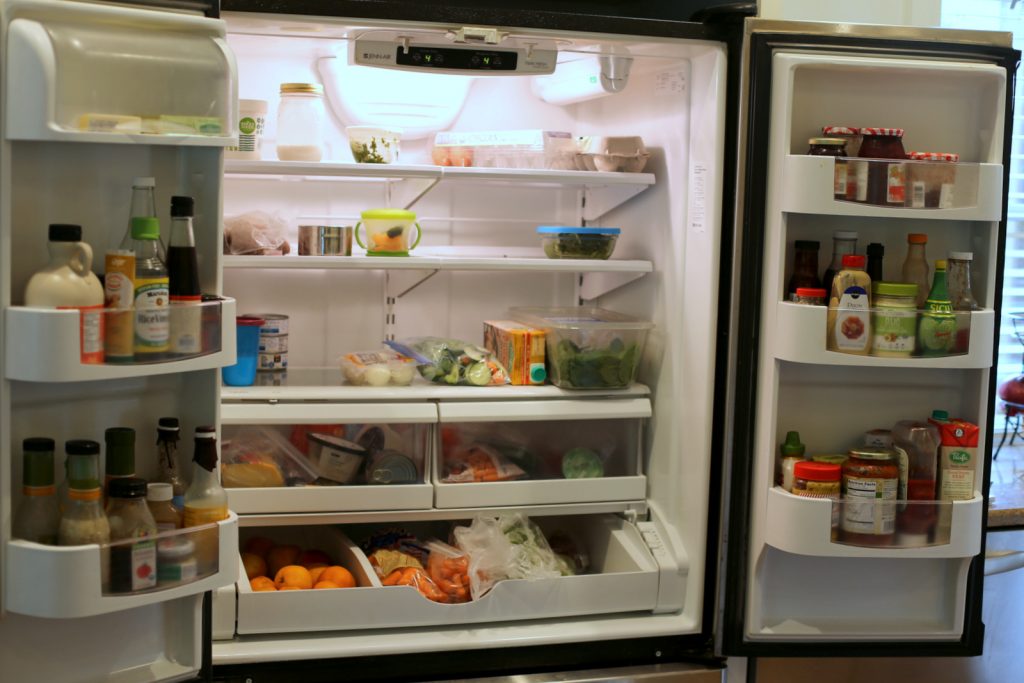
x,y
585,78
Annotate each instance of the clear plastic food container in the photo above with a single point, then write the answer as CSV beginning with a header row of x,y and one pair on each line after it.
x,y
589,347
578,243
536,149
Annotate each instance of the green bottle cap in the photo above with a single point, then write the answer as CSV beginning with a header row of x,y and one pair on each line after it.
x,y
792,445
83,464
37,459
940,415
145,228
120,451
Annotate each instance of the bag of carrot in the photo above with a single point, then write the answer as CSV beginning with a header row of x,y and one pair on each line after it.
x,y
449,569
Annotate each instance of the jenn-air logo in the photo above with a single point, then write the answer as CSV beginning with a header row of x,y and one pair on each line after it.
x,y
376,55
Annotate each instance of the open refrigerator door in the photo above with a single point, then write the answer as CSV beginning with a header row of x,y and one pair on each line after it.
x,y
627,133
895,569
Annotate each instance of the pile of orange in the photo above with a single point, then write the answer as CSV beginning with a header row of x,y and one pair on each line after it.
x,y
292,568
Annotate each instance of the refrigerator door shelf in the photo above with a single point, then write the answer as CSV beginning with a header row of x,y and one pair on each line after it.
x,y
67,581
801,329
82,74
624,578
44,345
809,188
803,526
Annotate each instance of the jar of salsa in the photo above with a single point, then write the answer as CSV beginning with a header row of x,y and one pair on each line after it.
x,y
870,482
885,183
832,147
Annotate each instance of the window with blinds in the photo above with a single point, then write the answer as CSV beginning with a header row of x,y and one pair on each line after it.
x,y
1004,15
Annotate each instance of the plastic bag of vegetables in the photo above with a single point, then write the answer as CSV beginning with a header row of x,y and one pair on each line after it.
x,y
451,361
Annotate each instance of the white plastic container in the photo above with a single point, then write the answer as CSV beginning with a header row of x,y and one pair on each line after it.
x,y
300,122
536,149
252,117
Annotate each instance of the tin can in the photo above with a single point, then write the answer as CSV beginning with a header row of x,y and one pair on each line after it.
x,y
274,344
391,467
272,379
273,361
275,323
325,240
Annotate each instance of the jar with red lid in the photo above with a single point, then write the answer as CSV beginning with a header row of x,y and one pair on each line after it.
x,y
819,480
931,181
870,484
852,136
885,183
832,147
810,296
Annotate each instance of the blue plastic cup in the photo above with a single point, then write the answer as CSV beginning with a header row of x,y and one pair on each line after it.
x,y
247,341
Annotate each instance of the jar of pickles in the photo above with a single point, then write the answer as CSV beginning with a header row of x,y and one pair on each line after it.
x,y
870,485
931,181
885,183
832,147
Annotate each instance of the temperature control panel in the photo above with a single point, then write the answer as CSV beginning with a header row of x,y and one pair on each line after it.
x,y
506,60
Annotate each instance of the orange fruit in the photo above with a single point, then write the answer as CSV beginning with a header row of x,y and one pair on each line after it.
x,y
289,588
254,565
282,556
338,575
326,584
313,557
261,583
293,575
315,571
258,545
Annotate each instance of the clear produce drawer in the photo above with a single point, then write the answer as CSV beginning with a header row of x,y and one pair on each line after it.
x,y
536,453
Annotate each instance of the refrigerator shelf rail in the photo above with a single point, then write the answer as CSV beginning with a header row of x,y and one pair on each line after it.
x,y
461,263
44,345
809,188
67,581
801,332
803,526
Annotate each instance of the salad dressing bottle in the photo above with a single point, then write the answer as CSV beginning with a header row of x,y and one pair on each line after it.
x,y
849,308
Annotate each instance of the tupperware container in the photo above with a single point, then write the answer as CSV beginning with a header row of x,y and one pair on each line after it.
x,y
588,347
578,243
373,145
387,232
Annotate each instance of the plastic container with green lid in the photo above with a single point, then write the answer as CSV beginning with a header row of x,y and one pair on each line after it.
x,y
894,319
388,232
588,347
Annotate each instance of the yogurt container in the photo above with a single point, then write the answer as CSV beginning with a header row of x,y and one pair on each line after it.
x,y
339,460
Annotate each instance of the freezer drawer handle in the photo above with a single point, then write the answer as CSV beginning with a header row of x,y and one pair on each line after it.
x,y
1002,561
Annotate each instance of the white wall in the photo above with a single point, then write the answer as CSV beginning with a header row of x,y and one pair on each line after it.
x,y
895,12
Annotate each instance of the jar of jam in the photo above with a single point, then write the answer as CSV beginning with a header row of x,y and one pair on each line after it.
x,y
852,136
832,147
931,182
870,482
885,184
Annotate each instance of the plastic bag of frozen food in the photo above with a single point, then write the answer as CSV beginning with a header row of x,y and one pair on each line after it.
x,y
480,462
260,457
255,233
505,547
452,361
377,368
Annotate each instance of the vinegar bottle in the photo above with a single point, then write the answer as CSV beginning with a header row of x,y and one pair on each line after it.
x,y
205,500
915,266
183,274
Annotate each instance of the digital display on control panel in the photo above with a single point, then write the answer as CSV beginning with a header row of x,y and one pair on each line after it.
x,y
452,58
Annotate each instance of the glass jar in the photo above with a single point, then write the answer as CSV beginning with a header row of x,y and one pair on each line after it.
x,y
931,182
132,565
958,284
894,319
851,135
810,296
832,147
301,120
805,266
885,183
870,483
819,480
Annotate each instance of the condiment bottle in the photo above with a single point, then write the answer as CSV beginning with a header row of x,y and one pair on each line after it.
x,y
119,281
915,266
870,482
167,436
158,498
120,460
849,314
843,243
920,441
805,267
300,122
132,565
205,500
68,282
790,452
875,252
152,320
183,276
38,515
958,283
83,520
936,332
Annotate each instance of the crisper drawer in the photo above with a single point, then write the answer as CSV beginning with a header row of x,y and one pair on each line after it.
x,y
298,457
540,452
622,577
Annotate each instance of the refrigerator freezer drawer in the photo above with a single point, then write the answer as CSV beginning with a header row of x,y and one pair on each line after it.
x,y
625,579
542,492
330,498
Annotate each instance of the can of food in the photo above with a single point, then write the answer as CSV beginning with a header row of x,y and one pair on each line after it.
x,y
274,344
340,461
325,240
273,361
272,379
391,467
274,323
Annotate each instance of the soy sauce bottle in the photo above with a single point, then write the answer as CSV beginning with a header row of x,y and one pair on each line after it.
x,y
183,271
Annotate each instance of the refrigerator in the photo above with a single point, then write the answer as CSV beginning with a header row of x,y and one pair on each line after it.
x,y
693,554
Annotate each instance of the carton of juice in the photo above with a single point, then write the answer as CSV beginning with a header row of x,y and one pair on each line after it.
x,y
520,348
958,463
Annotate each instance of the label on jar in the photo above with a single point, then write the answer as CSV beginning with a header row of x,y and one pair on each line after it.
x,y
895,331
853,320
946,196
870,506
861,181
917,194
90,330
133,566
839,182
152,319
896,187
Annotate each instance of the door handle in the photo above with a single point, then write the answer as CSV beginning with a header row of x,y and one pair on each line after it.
x,y
1002,561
